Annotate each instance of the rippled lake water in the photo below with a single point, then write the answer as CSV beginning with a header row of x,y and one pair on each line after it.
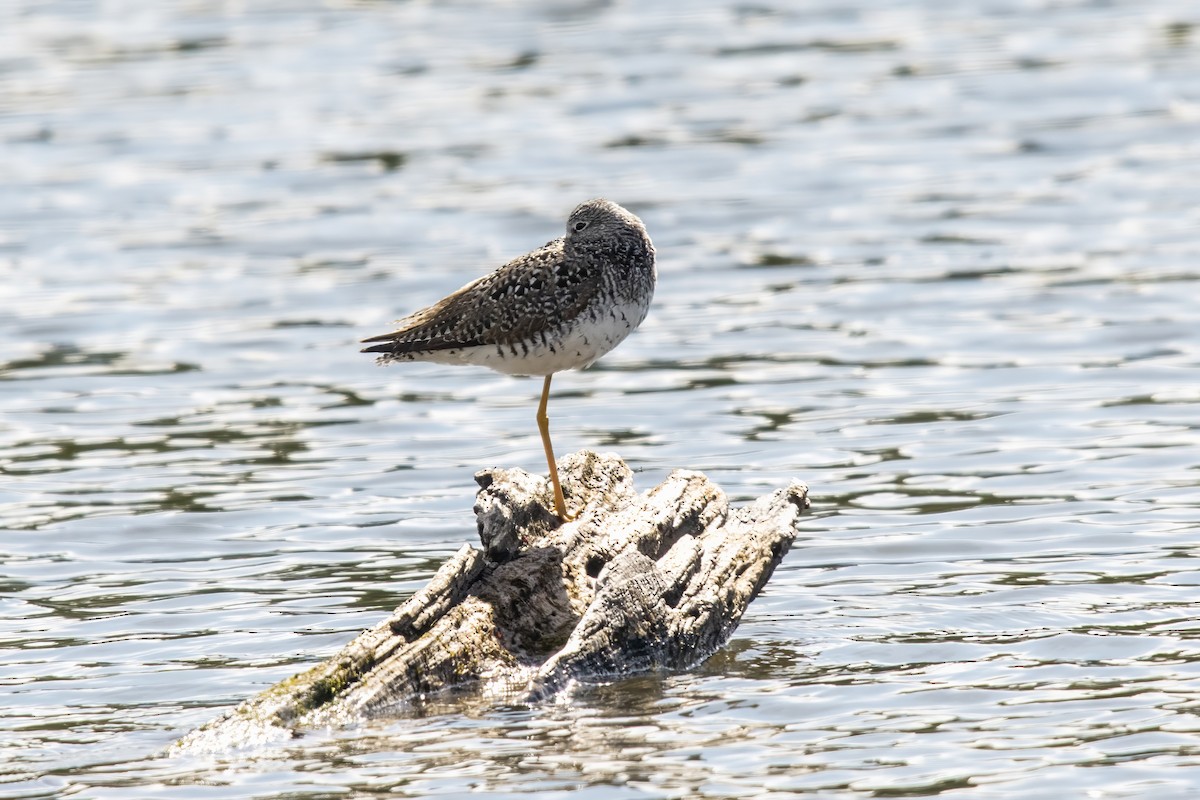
x,y
937,260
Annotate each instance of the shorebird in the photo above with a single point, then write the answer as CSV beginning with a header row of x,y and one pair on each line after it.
x,y
559,307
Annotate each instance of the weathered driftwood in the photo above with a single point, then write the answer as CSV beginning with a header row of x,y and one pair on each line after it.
x,y
634,583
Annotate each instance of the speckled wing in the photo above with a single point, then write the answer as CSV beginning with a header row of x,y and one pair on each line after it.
x,y
525,300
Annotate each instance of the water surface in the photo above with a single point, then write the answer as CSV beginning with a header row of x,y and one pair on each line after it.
x,y
937,260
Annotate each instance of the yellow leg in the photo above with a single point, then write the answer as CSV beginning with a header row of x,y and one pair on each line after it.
x,y
543,422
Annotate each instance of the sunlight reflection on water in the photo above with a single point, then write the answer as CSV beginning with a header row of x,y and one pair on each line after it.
x,y
938,263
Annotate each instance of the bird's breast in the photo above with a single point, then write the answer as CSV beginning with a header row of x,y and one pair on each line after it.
x,y
573,345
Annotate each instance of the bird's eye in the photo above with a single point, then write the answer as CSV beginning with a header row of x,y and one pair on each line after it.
x,y
580,225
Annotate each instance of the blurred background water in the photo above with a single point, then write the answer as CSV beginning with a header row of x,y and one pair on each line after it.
x,y
939,260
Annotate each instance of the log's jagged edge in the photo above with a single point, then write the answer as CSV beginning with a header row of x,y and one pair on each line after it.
x,y
674,612
448,586
636,582
686,503
735,577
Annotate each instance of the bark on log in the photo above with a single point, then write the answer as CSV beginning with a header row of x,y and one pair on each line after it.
x,y
634,583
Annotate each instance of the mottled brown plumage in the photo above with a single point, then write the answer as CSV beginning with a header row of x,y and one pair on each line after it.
x,y
561,306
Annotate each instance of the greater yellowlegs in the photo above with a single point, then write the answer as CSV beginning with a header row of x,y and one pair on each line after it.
x,y
558,307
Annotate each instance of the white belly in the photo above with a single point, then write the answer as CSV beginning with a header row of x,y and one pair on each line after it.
x,y
584,341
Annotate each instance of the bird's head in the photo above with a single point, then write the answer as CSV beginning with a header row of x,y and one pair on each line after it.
x,y
602,222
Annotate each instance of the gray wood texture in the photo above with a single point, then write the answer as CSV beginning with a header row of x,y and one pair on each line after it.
x,y
636,582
